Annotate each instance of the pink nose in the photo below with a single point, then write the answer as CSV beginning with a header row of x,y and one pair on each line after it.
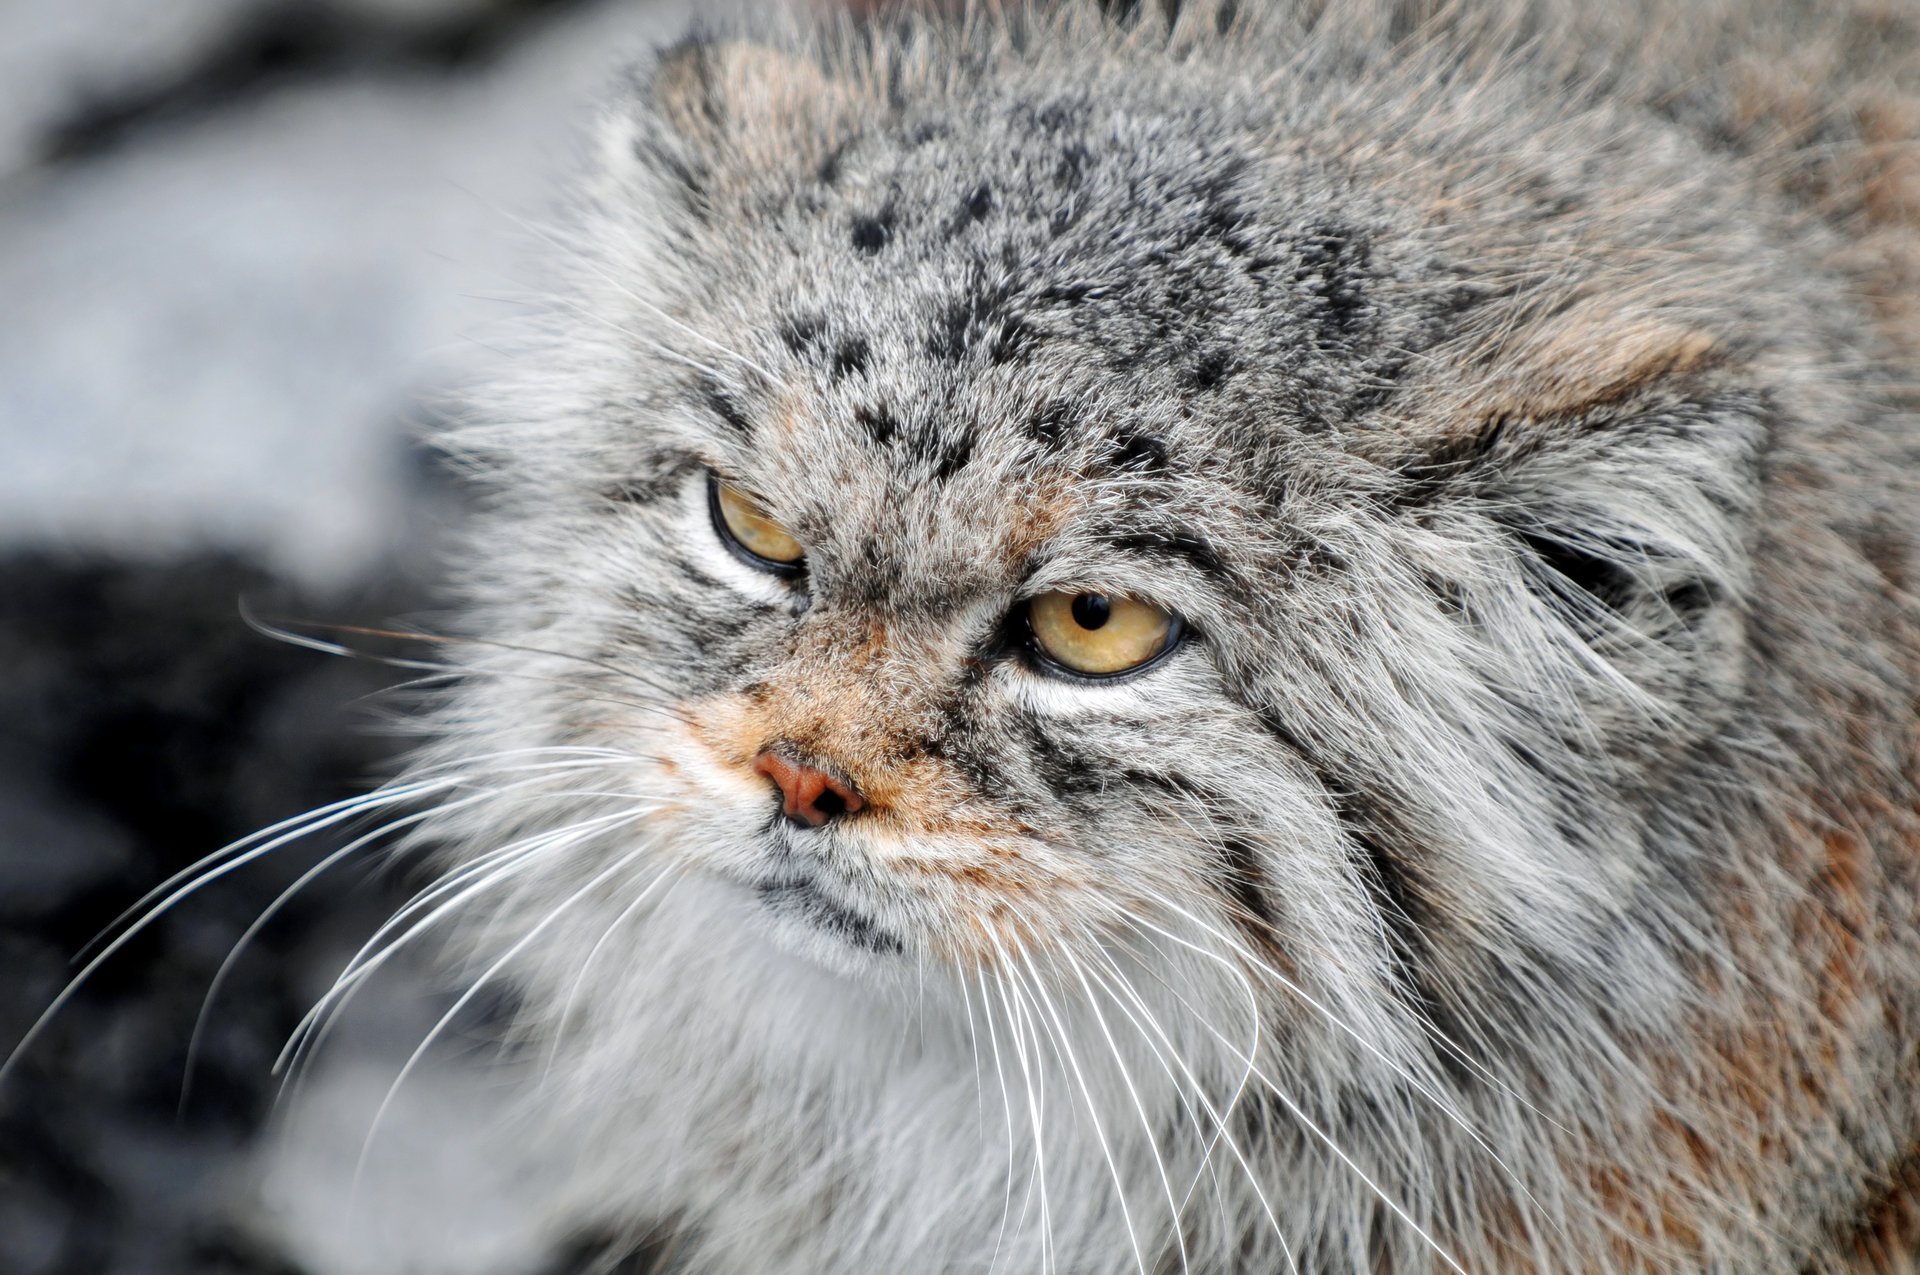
x,y
811,795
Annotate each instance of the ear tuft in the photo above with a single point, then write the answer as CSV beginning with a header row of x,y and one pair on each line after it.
x,y
715,113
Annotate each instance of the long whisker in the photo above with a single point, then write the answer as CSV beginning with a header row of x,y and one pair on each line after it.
x,y
1063,1043
382,832
665,708
573,989
1133,1093
1220,1118
1006,1100
297,828
1308,1123
1406,1074
466,998
1022,1028
492,870
294,828
495,867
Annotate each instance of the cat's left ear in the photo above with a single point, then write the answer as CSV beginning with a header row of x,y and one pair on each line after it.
x,y
706,115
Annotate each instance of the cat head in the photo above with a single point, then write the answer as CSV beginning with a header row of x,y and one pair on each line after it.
x,y
991,518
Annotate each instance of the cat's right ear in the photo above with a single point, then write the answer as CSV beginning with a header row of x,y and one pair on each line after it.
x,y
705,115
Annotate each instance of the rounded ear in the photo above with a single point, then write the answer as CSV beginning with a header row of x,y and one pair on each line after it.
x,y
706,116
1613,449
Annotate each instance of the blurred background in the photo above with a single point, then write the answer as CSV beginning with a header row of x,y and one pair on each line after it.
x,y
246,246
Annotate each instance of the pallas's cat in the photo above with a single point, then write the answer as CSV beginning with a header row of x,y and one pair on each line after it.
x,y
1246,638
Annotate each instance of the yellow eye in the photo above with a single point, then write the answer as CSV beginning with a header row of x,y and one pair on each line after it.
x,y
1098,635
746,529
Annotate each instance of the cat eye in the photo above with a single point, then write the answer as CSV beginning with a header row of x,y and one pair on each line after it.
x,y
755,539
1097,635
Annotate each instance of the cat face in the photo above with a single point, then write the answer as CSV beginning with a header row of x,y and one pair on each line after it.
x,y
1282,576
876,412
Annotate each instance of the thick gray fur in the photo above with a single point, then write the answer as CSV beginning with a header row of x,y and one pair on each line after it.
x,y
1514,868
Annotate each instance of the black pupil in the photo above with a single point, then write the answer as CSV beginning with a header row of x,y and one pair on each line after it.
x,y
1090,610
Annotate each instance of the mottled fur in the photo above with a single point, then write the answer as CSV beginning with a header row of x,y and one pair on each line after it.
x,y
1517,869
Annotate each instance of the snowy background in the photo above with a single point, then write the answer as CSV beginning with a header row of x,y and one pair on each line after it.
x,y
245,247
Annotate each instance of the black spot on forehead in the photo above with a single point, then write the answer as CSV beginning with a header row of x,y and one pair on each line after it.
x,y
829,170
1049,425
851,358
872,233
721,404
953,457
1012,342
1054,116
979,318
1225,219
1210,369
927,131
801,333
1075,158
880,424
939,451
1332,274
1136,453
980,201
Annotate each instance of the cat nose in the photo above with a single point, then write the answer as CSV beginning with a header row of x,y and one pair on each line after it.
x,y
812,796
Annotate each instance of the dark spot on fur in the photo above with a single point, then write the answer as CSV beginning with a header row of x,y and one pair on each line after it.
x,y
968,318
1061,219
723,406
1055,117
851,358
980,201
1692,600
953,457
1210,369
1067,294
1011,342
1447,593
1049,425
871,234
1137,453
800,333
829,170
1224,17
881,425
927,131
1317,557
1072,169
1223,223
1331,272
